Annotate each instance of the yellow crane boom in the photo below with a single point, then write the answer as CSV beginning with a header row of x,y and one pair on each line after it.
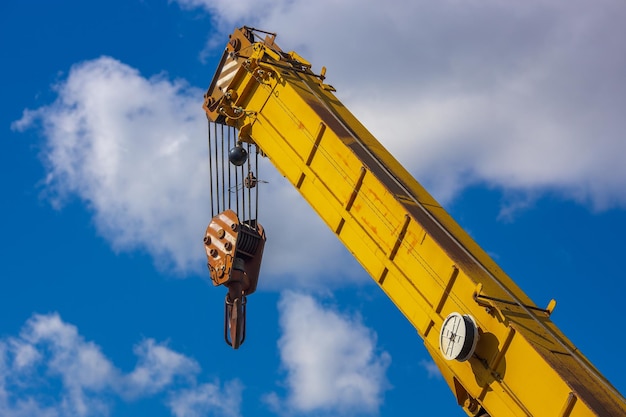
x,y
500,354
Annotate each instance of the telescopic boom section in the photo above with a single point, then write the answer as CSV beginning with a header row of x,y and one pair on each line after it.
x,y
500,354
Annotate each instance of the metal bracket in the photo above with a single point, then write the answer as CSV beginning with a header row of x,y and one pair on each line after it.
x,y
484,301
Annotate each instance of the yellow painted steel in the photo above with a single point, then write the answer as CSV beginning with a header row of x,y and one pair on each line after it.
x,y
423,260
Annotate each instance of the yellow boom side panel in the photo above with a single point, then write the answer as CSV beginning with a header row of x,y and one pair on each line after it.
x,y
420,257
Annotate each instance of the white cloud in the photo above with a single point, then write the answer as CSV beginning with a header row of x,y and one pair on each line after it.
x,y
157,368
227,12
79,364
431,368
26,355
525,97
50,352
208,400
331,361
134,149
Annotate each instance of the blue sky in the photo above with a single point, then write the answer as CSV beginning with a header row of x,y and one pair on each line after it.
x,y
510,114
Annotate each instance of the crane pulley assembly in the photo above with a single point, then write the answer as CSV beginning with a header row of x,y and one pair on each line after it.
x,y
500,354
233,245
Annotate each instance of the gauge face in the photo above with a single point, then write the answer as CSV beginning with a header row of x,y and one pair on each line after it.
x,y
458,337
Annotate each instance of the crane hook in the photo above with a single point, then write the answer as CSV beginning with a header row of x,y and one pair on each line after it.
x,y
235,305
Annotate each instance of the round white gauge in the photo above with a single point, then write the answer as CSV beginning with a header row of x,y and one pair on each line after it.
x,y
458,337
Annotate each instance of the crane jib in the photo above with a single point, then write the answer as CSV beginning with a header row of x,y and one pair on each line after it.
x,y
484,333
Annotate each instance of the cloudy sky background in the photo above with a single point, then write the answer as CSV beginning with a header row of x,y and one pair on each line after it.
x,y
510,114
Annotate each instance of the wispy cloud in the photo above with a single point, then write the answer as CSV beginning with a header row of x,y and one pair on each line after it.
x,y
331,361
50,353
431,368
131,148
208,400
157,368
79,364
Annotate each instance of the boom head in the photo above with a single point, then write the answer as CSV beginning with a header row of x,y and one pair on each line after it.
x,y
248,57
243,46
